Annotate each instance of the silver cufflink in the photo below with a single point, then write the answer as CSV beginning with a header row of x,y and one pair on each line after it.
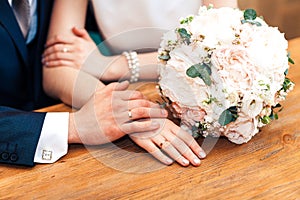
x,y
47,155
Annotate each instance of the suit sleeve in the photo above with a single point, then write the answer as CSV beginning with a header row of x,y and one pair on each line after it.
x,y
19,135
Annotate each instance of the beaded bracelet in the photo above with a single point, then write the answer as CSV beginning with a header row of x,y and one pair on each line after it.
x,y
133,65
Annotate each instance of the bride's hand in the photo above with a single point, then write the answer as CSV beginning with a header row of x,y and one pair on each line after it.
x,y
170,143
68,51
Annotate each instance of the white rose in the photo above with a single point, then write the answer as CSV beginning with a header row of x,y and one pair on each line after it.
x,y
216,25
180,88
268,50
251,105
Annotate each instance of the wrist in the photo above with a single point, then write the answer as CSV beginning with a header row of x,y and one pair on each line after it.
x,y
117,69
73,136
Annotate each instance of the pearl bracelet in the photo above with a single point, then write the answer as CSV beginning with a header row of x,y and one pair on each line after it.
x,y
133,65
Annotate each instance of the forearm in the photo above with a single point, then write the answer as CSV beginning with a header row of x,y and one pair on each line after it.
x,y
67,14
111,68
221,3
70,85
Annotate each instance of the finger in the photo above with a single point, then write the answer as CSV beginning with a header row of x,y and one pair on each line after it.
x,y
139,126
189,140
59,63
59,56
57,48
182,148
136,103
122,86
81,32
58,39
153,150
131,95
142,113
168,148
110,87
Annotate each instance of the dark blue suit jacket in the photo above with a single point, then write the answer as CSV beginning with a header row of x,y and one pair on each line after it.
x,y
21,85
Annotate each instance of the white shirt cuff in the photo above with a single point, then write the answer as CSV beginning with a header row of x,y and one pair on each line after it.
x,y
53,142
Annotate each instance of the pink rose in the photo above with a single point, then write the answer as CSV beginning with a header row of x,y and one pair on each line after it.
x,y
188,116
194,114
234,67
241,130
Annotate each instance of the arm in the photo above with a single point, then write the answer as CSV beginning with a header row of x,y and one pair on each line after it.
x,y
83,54
59,82
20,132
107,68
104,117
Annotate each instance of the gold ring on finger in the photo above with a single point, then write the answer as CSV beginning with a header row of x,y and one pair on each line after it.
x,y
164,143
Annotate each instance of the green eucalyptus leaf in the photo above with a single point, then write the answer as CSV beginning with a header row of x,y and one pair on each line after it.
x,y
192,72
244,21
250,14
202,71
205,77
165,57
286,72
184,35
251,22
233,110
225,118
228,115
255,23
291,61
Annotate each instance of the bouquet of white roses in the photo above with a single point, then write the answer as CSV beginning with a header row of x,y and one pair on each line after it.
x,y
224,72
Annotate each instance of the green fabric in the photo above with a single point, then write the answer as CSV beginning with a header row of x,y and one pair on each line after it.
x,y
99,41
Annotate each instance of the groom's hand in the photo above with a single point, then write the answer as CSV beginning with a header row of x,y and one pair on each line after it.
x,y
111,113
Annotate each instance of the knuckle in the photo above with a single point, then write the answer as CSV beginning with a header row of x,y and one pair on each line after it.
x,y
144,103
60,62
56,55
141,112
136,94
56,48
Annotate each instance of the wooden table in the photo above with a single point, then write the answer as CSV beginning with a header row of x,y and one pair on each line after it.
x,y
266,167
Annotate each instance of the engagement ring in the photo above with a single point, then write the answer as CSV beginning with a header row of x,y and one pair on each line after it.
x,y
65,50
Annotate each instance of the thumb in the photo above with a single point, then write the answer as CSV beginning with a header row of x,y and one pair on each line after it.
x,y
117,86
81,32
122,86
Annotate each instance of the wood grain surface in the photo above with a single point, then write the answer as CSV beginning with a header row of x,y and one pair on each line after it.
x,y
265,168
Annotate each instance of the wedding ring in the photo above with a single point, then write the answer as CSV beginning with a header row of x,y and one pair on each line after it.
x,y
129,114
162,144
65,50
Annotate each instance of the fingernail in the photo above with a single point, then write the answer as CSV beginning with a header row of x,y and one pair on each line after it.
x,y
197,161
202,154
185,162
169,161
164,112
